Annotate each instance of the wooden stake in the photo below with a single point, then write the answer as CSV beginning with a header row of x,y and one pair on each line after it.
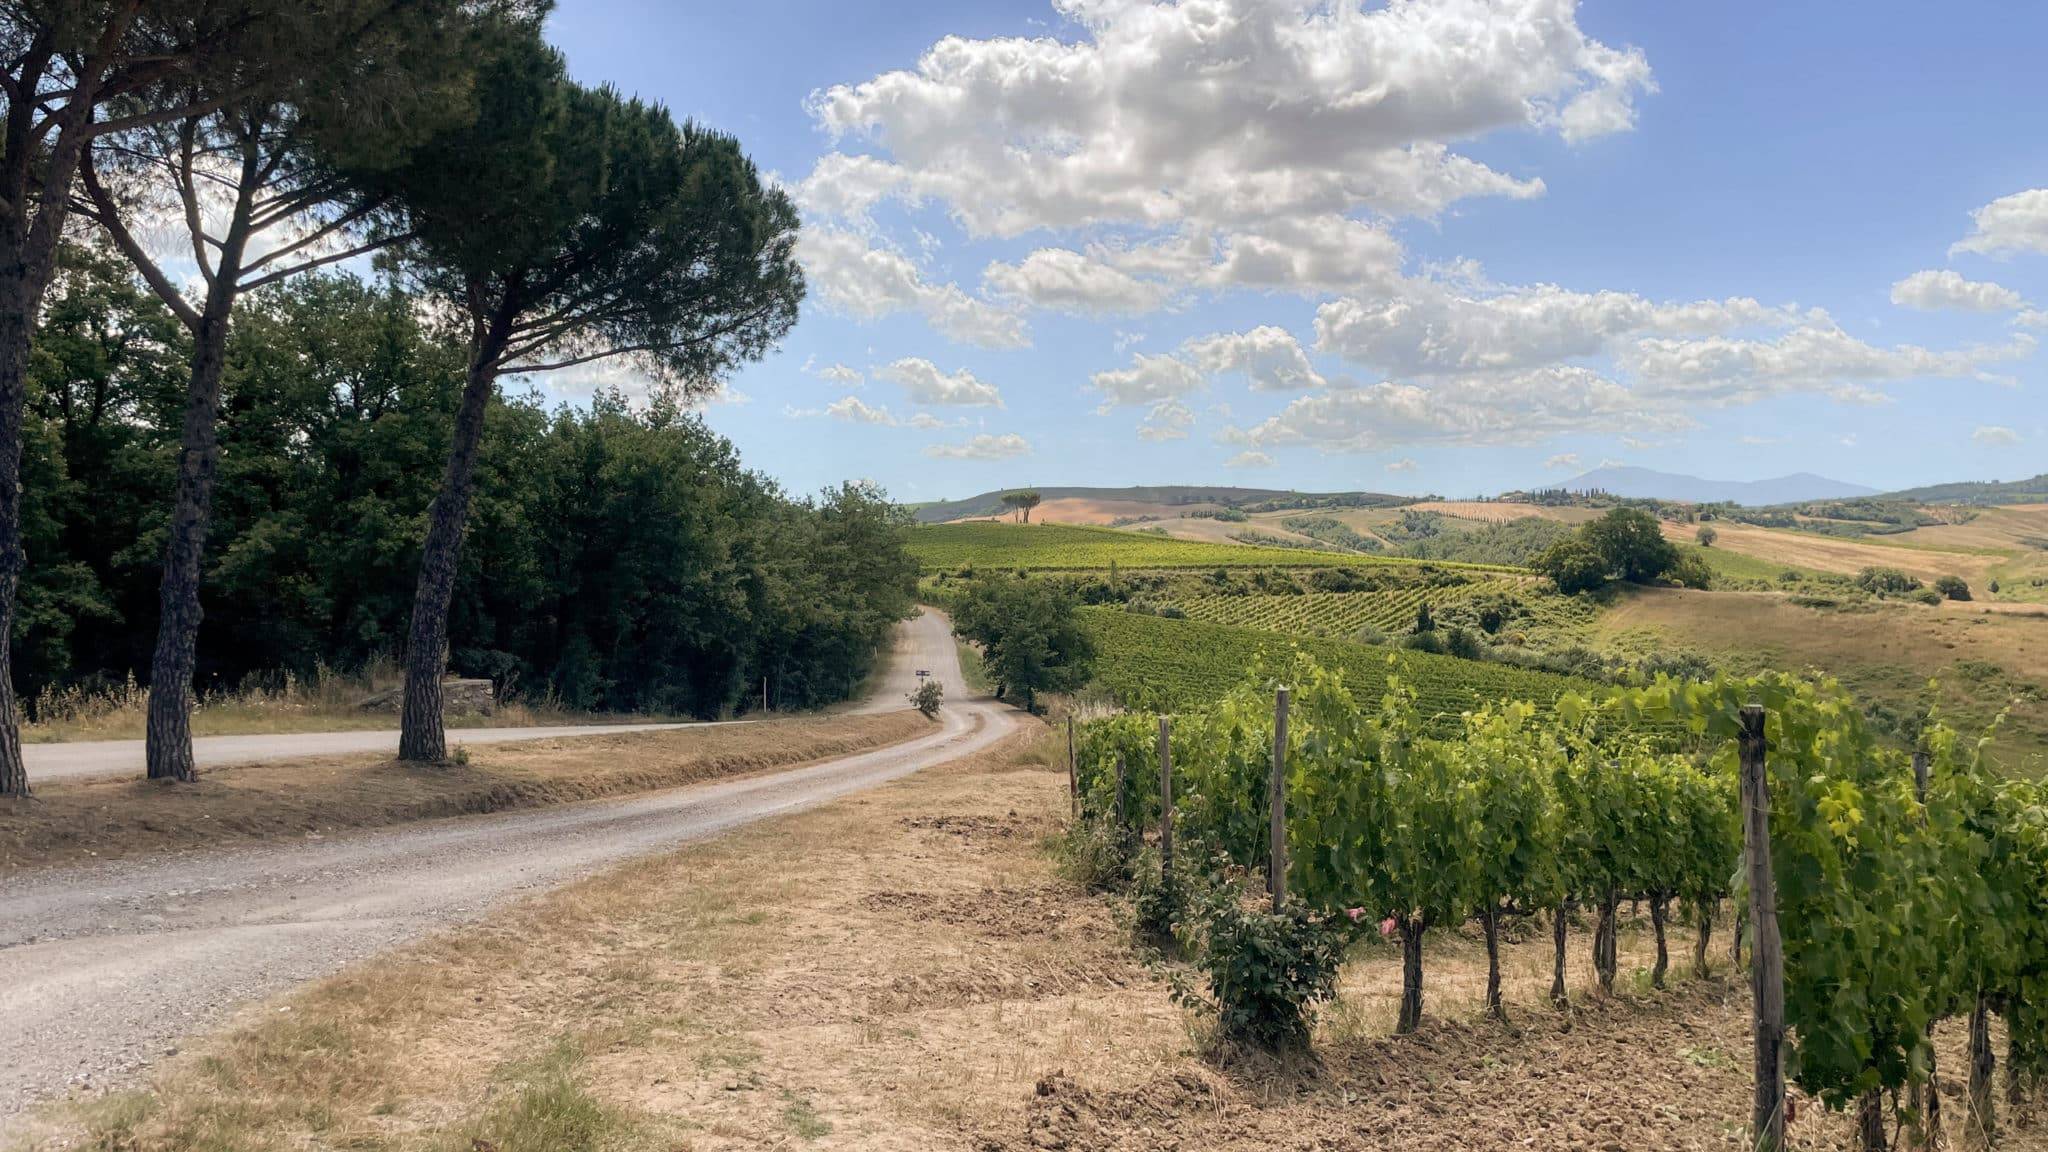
x,y
1073,773
1767,958
1276,804
1165,796
1123,788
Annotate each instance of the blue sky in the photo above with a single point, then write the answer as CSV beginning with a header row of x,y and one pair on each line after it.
x,y
1446,247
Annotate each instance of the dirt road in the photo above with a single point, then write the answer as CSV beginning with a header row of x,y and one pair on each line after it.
x,y
104,968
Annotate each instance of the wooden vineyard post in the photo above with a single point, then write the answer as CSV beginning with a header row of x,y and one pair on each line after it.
x,y
1073,773
1276,804
1165,797
1766,954
1928,1095
1123,789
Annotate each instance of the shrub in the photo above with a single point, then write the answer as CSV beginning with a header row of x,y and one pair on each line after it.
x,y
927,697
1886,581
1954,587
1925,596
1706,536
1158,900
1692,572
1093,855
1267,970
1464,643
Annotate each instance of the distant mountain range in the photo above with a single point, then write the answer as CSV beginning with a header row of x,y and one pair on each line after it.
x,y
1647,484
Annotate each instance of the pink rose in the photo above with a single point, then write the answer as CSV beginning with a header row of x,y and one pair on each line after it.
x,y
1356,914
1387,927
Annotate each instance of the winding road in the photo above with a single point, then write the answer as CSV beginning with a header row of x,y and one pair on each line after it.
x,y
104,968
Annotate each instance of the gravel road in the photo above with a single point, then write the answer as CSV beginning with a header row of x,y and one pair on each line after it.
x,y
104,968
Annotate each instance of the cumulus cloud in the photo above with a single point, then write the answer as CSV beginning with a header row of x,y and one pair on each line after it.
x,y
1006,446
856,411
1249,459
1149,379
1229,110
835,373
1995,436
1944,290
1067,281
1817,356
2015,223
1430,327
1168,420
1563,460
853,276
1403,465
926,384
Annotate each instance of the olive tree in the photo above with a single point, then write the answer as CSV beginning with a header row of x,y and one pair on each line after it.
x,y
563,226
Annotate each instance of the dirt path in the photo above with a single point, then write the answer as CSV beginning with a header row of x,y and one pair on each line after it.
x,y
104,969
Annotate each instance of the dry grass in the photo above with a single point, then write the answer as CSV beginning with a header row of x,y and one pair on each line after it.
x,y
1985,660
1841,554
70,821
1501,512
905,970
325,702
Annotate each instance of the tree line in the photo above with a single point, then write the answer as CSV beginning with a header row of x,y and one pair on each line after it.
x,y
520,223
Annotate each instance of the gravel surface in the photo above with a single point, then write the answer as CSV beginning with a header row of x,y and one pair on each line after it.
x,y
104,968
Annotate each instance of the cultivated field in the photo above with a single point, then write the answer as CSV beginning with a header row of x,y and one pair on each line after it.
x,y
1057,547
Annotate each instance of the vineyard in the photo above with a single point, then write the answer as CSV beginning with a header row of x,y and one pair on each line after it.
x,y
1056,547
1344,614
1896,891
1154,662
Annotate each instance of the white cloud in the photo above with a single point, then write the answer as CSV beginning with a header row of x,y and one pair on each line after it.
x,y
1428,327
852,409
1944,290
839,374
1006,446
1212,143
2015,223
853,276
1995,436
927,385
1403,465
1149,379
1067,281
1563,460
856,411
1817,356
1168,420
1269,357
1249,459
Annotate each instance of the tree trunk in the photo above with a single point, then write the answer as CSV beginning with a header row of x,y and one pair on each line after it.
x,y
1411,975
1659,909
1558,924
422,737
1870,1135
1605,952
1735,936
168,749
1699,948
1489,919
1930,1093
32,215
15,306
1983,1062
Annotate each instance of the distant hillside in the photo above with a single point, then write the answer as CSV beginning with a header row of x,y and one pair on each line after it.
x,y
2034,491
1646,484
1165,495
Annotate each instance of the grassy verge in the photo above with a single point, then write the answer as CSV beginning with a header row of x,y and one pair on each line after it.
x,y
974,669
97,819
907,970
324,703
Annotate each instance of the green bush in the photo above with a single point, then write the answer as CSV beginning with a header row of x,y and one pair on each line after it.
x,y
1953,587
1886,581
927,697
1094,854
1267,970
1159,900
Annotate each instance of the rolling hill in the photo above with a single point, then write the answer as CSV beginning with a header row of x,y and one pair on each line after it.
x,y
1160,496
